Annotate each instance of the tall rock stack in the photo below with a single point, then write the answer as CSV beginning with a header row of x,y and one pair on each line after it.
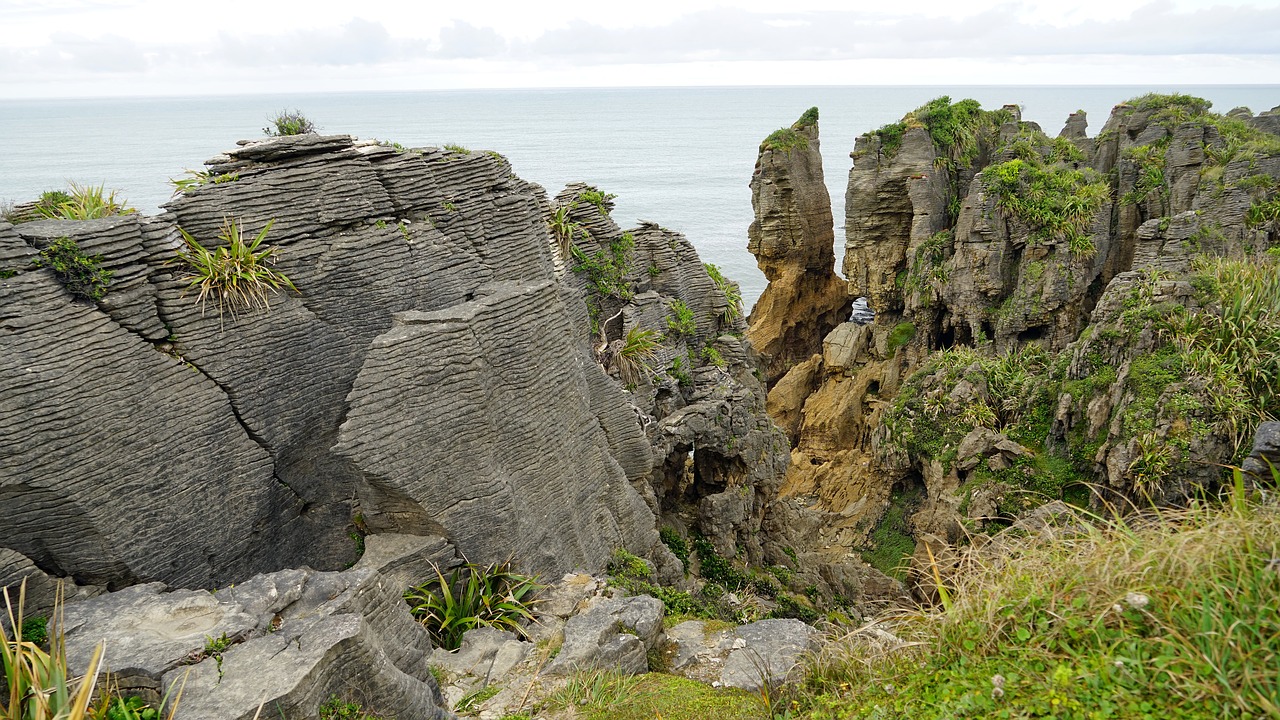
x,y
793,240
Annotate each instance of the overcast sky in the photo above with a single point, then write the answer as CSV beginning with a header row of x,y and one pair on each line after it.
x,y
161,47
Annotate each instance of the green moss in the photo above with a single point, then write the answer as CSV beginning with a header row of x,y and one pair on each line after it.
x,y
900,336
891,544
657,695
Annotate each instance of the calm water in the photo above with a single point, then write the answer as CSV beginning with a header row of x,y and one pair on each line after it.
x,y
679,157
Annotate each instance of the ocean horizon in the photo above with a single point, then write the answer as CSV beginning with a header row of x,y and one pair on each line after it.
x,y
681,157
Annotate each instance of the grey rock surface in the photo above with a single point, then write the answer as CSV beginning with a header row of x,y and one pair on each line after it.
x,y
1266,451
296,638
745,656
614,634
198,450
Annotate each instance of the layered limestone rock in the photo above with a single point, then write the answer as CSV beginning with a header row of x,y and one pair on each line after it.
x,y
793,240
1012,274
435,373
671,334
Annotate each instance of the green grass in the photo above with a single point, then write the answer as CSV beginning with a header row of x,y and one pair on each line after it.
x,y
607,695
472,701
82,276
1172,619
335,708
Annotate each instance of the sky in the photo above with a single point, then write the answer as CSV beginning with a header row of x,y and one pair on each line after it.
x,y
78,48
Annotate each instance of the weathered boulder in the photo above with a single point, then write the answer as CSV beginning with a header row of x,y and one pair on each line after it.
x,y
746,656
615,633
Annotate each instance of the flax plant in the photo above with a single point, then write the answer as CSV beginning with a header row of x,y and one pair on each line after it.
x,y
236,275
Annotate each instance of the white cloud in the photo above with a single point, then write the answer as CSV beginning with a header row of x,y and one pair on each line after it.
x,y
137,46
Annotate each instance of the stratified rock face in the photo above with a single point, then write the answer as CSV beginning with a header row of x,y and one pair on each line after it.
x,y
894,200
793,240
447,383
424,379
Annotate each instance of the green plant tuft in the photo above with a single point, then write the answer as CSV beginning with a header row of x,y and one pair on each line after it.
x,y
639,348
680,322
473,596
236,274
84,202
732,293
602,200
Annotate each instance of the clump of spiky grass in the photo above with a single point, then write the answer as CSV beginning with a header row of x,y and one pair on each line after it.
x,y
601,689
639,348
37,684
237,275
84,202
1170,615
289,122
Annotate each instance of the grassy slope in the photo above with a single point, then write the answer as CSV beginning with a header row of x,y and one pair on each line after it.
x,y
1171,619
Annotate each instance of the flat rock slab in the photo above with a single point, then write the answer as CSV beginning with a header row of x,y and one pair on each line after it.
x,y
294,639
746,656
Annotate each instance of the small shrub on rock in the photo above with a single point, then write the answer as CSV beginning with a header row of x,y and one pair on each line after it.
x,y
82,275
289,122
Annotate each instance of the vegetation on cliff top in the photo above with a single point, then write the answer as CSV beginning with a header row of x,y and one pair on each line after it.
x,y
955,128
788,138
288,122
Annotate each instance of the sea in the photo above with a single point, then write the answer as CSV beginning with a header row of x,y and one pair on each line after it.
x,y
681,157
